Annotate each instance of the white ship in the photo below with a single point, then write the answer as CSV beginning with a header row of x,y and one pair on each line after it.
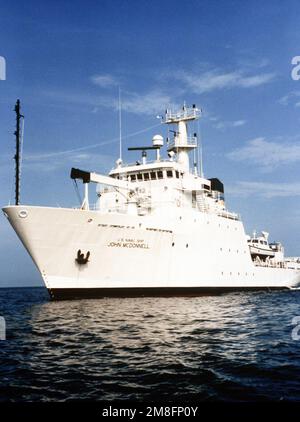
x,y
158,228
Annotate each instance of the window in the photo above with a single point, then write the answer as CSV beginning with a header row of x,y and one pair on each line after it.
x,y
140,176
133,177
177,174
153,175
160,174
194,198
169,173
146,176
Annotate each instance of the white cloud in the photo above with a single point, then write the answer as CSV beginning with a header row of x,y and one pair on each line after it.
x,y
239,123
54,161
104,81
266,154
291,97
216,79
227,124
93,101
149,103
256,80
263,189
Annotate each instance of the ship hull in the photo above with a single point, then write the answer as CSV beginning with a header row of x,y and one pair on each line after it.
x,y
99,293
86,254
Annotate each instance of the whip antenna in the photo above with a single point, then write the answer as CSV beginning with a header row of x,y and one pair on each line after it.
x,y
17,156
120,124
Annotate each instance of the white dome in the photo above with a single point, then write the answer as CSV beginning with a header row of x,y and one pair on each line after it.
x,y
157,141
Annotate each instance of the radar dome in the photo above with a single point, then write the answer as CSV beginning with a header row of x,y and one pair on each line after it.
x,y
157,141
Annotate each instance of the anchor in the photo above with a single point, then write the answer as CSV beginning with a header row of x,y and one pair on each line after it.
x,y
81,259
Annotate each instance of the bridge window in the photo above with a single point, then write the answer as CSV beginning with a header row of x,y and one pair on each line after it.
x,y
133,177
153,175
146,176
169,173
140,176
160,174
177,174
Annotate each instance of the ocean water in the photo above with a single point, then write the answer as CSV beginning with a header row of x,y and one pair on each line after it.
x,y
231,347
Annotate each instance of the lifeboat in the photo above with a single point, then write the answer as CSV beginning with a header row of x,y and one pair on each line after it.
x,y
259,247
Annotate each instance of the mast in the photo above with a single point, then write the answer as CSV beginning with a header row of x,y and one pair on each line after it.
x,y
182,143
120,125
17,155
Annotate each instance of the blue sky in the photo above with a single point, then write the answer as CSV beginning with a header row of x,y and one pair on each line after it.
x,y
66,59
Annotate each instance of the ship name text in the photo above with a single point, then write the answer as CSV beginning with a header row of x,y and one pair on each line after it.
x,y
129,243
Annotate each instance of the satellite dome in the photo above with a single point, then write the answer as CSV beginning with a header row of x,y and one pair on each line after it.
x,y
157,141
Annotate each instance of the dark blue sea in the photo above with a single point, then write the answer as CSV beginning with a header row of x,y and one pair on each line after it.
x,y
231,347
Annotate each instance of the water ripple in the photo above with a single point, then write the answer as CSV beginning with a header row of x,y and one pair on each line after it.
x,y
228,347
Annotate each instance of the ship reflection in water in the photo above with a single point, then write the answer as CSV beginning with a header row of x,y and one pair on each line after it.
x,y
230,347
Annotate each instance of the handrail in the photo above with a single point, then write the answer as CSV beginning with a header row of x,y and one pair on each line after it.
x,y
230,215
177,143
186,113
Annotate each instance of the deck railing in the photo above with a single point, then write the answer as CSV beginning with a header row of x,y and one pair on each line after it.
x,y
190,141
